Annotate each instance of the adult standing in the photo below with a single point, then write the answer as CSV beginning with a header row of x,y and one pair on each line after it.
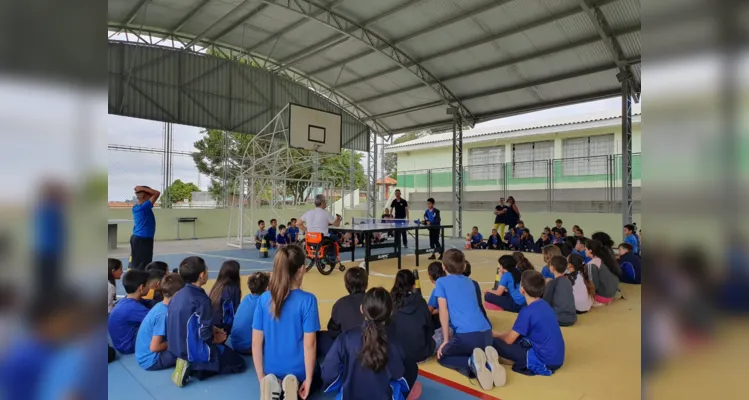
x,y
512,216
144,227
500,217
400,209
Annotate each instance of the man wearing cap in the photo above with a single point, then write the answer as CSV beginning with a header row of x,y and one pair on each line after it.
x,y
144,227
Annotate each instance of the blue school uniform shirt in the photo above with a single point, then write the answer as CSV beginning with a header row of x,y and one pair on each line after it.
x,y
508,282
433,216
241,332
227,309
144,222
283,344
493,240
124,321
189,328
22,367
477,238
272,233
464,310
632,240
537,323
282,239
153,325
292,233
546,272
343,373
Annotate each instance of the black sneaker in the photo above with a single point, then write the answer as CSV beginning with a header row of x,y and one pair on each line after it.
x,y
440,257
432,257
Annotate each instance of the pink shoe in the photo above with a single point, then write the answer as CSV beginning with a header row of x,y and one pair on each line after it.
x,y
415,392
492,307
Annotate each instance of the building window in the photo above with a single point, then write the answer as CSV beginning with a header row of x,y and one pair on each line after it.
x,y
587,155
532,160
486,163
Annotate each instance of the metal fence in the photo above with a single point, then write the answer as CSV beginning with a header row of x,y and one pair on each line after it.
x,y
585,184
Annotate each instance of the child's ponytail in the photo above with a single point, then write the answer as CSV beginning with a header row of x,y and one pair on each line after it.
x,y
402,288
580,272
377,308
286,264
604,253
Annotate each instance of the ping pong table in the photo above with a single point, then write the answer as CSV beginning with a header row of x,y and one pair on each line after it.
x,y
368,227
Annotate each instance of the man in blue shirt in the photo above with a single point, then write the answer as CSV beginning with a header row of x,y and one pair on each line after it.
x,y
144,227
535,343
631,238
128,313
151,344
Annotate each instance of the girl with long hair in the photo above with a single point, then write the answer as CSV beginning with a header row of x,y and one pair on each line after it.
x,y
114,272
363,363
226,295
523,264
548,253
604,272
506,293
582,288
284,331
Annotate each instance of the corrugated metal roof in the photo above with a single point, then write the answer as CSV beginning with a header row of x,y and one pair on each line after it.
x,y
512,43
512,130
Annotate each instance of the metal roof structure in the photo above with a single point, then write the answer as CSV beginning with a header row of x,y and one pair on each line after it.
x,y
398,64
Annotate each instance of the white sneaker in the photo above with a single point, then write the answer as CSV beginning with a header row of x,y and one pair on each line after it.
x,y
290,386
477,364
498,371
270,389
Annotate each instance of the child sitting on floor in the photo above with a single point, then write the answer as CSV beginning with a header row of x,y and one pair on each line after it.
x,y
522,263
261,235
558,293
494,242
158,265
464,351
467,273
477,239
506,296
548,253
558,237
282,238
363,364
534,344
412,326
560,228
580,249
128,313
582,287
526,242
226,295
435,271
630,263
241,331
604,272
272,233
153,285
543,241
514,239
292,231
114,272
151,344
346,314
194,342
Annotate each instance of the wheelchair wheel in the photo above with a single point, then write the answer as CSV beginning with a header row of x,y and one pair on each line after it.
x,y
325,268
341,267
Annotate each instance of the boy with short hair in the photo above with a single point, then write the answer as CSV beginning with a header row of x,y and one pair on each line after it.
x,y
580,249
272,231
464,351
494,242
292,231
432,217
630,263
477,239
560,228
193,340
128,313
534,344
631,238
261,234
346,313
543,241
241,332
281,238
151,344
154,285
558,293
558,236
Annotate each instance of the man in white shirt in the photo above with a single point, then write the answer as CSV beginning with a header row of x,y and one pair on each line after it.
x,y
318,219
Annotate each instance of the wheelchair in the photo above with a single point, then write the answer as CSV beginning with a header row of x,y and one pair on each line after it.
x,y
323,256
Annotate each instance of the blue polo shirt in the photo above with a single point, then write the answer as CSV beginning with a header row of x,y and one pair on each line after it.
x,y
546,272
292,233
538,323
282,239
508,282
465,312
283,344
632,240
153,325
241,331
477,238
124,321
144,223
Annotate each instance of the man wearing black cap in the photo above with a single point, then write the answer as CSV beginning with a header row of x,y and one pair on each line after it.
x,y
144,227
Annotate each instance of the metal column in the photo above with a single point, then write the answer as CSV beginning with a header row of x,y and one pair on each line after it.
x,y
352,179
457,172
626,80
372,175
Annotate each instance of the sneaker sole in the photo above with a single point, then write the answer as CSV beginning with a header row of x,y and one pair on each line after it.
x,y
180,371
498,371
267,386
290,386
484,376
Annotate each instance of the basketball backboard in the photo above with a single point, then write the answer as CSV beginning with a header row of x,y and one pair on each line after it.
x,y
313,129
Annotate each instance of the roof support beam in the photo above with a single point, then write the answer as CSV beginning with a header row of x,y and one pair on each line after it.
x,y
188,16
288,28
506,63
238,22
201,35
598,20
511,88
488,39
444,124
134,12
376,42
337,39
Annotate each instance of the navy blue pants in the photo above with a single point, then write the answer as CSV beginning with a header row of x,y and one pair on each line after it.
x,y
325,342
459,349
229,362
164,361
518,353
505,301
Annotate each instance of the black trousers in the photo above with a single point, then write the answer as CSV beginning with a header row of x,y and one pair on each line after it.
x,y
434,240
404,237
141,252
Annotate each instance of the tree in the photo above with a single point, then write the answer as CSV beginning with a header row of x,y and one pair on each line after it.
x,y
179,191
390,162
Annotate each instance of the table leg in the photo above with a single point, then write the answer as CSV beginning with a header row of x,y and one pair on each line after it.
x,y
416,249
353,245
398,246
367,250
442,247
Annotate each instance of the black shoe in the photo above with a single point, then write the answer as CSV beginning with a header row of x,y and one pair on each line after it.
x,y
432,257
440,257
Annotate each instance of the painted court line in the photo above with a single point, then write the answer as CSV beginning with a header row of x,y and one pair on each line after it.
x,y
465,389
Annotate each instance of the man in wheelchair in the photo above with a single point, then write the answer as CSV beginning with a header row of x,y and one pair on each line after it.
x,y
316,224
